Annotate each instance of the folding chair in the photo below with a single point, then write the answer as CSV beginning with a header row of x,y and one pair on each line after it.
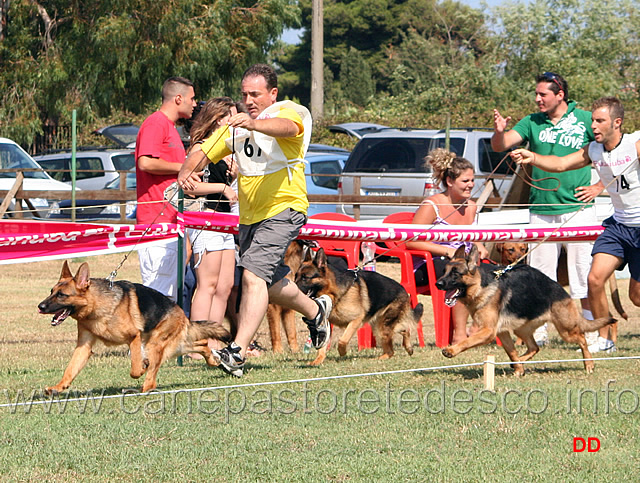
x,y
441,312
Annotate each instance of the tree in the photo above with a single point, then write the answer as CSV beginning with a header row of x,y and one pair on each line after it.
x,y
109,57
355,78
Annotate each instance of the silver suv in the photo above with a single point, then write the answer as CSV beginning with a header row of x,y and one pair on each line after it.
x,y
95,167
391,163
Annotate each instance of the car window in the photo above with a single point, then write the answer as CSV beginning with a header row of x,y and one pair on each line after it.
x,y
12,157
325,168
93,167
402,155
115,183
56,168
490,160
456,145
86,168
123,162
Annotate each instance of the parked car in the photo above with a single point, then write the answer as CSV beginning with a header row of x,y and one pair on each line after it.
x,y
95,166
323,161
358,129
93,210
13,157
391,163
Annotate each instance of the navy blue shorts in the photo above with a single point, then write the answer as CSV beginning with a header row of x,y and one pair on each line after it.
x,y
620,241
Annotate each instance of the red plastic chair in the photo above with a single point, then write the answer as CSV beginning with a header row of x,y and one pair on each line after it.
x,y
441,313
349,250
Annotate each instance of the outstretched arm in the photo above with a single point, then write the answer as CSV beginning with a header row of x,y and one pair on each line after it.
x,y
552,164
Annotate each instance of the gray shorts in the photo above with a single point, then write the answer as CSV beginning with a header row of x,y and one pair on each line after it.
x,y
263,244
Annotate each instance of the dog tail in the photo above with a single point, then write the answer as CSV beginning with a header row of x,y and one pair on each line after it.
x,y
208,329
591,325
615,297
418,311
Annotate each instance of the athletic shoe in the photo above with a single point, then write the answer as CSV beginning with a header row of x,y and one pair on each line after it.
x,y
229,359
606,345
541,336
319,327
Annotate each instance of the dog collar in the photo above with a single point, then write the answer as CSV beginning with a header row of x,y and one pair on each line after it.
x,y
502,271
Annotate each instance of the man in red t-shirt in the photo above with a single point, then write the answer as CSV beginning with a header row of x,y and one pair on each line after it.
x,y
159,156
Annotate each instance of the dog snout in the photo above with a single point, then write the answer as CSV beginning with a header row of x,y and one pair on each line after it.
x,y
440,284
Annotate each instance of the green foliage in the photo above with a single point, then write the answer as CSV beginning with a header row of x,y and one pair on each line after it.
x,y
109,56
355,78
435,424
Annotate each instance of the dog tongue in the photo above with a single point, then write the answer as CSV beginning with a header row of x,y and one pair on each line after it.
x,y
450,297
59,317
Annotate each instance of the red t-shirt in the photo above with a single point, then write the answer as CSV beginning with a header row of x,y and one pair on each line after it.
x,y
157,138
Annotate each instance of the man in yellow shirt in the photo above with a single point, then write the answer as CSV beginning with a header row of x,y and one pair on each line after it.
x,y
269,145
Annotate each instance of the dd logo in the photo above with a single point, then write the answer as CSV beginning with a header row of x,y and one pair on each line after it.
x,y
592,445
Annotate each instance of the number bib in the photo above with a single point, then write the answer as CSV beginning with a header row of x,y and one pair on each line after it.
x,y
258,154
619,171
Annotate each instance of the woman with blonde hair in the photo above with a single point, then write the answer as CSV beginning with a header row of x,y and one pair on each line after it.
x,y
213,252
452,206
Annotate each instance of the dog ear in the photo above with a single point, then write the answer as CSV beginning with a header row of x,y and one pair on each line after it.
x,y
321,259
459,252
66,273
82,276
499,247
308,254
473,258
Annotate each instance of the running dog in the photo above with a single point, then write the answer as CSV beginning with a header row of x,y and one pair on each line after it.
x,y
512,251
360,296
150,323
518,300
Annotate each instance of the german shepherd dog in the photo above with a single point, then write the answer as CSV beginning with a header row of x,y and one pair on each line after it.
x,y
512,251
360,296
519,300
151,324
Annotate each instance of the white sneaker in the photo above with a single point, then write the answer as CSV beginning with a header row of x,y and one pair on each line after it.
x,y
541,336
593,348
606,345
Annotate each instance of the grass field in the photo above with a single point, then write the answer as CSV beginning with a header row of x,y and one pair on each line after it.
x,y
388,421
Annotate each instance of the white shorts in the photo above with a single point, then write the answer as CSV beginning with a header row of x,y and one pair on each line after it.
x,y
208,241
159,268
545,256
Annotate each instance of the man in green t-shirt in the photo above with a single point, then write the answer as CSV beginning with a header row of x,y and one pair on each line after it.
x,y
559,128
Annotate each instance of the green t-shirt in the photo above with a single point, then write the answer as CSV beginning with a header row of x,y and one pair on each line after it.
x,y
570,134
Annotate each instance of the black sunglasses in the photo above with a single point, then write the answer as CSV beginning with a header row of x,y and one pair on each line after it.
x,y
552,77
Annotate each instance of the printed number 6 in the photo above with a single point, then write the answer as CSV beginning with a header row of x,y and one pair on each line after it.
x,y
248,149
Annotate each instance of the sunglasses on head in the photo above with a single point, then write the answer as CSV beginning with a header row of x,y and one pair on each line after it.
x,y
552,77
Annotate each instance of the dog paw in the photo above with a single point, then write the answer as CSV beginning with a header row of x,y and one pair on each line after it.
x,y
447,352
52,391
342,349
384,357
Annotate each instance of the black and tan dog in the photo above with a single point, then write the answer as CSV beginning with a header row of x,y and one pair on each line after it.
x,y
152,325
519,300
360,296
510,252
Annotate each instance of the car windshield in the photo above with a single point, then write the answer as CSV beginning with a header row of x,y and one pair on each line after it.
x,y
123,162
382,155
115,184
12,157
321,170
